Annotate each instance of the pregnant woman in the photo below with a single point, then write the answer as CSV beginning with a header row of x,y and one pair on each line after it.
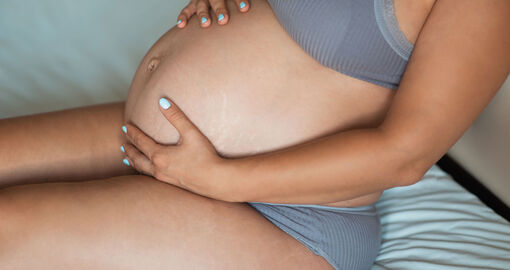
x,y
264,137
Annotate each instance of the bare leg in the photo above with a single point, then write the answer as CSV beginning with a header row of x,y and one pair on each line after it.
x,y
136,222
75,144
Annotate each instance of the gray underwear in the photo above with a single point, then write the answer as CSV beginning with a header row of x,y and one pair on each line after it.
x,y
348,238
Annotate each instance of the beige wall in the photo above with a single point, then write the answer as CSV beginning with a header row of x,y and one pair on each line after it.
x,y
484,150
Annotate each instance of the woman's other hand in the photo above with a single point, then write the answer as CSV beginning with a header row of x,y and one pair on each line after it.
x,y
192,163
201,8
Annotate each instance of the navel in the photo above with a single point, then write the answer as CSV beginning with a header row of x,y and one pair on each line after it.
x,y
153,64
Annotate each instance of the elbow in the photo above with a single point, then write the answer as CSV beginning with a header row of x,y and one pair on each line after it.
x,y
411,175
414,168
410,163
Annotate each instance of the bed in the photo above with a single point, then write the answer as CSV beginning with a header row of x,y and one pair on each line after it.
x,y
437,224
58,54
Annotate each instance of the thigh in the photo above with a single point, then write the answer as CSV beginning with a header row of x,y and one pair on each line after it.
x,y
136,222
74,144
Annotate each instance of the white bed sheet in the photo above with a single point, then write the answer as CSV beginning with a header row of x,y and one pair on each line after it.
x,y
437,224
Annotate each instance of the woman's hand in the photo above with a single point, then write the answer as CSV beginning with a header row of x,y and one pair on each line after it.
x,y
201,8
192,163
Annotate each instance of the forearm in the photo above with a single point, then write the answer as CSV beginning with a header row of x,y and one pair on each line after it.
x,y
76,144
338,167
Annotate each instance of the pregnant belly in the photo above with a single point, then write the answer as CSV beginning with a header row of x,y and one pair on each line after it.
x,y
250,89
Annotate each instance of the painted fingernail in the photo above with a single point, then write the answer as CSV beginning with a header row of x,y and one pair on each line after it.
x,y
221,17
122,149
125,161
204,20
179,21
124,128
164,103
242,5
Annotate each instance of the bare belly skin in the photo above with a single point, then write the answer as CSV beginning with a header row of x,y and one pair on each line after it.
x,y
250,89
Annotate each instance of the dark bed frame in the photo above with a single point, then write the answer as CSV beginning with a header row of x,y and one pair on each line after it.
x,y
473,185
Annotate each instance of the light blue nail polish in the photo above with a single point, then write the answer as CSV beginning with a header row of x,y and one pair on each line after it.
x,y
242,5
122,149
204,20
124,129
221,17
125,161
164,103
179,21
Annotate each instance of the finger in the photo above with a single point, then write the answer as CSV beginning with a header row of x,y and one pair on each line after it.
x,y
186,13
203,13
143,142
242,5
178,119
220,10
137,160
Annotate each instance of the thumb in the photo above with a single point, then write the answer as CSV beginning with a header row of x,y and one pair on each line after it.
x,y
177,118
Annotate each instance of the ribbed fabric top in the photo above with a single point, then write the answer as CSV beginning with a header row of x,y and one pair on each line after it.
x,y
359,38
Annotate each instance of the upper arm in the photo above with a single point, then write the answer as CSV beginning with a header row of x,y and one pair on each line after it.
x,y
460,59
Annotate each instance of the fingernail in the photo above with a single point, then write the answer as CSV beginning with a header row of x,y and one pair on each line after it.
x,y
164,103
122,149
125,161
204,20
124,128
179,21
242,5
221,17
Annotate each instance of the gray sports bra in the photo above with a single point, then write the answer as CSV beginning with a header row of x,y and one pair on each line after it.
x,y
359,38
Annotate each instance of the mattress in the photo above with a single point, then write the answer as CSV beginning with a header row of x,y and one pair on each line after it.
x,y
437,224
